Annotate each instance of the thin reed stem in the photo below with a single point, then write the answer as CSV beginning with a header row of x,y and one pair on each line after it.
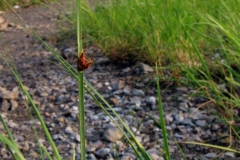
x,y
81,115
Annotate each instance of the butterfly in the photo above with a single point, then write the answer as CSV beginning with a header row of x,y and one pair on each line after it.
x,y
83,62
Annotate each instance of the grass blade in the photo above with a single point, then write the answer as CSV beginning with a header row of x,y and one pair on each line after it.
x,y
162,122
13,147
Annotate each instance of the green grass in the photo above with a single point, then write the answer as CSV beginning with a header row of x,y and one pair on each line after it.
x,y
151,30
185,36
196,41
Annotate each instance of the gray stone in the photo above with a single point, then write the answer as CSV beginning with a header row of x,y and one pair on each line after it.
x,y
182,129
190,146
128,156
153,153
144,68
117,92
120,145
187,122
94,117
44,94
136,101
74,109
55,136
183,106
168,118
154,156
5,105
178,118
102,60
138,92
12,124
34,155
99,85
112,134
114,101
93,146
103,152
5,94
197,138
215,127
153,107
18,138
69,53
14,104
26,146
106,83
130,119
209,118
118,85
229,154
118,109
107,119
135,130
151,100
201,123
145,138
97,123
126,91
4,153
68,130
182,89
91,157
136,108
77,137
178,135
125,70
2,19
210,155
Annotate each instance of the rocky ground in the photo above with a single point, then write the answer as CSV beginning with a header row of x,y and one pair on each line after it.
x,y
129,88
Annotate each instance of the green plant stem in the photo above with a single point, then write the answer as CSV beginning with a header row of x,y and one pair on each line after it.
x,y
46,152
81,117
7,129
81,114
79,27
164,132
13,148
9,135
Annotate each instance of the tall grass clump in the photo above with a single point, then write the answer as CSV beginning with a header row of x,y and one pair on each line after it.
x,y
151,30
141,29
196,40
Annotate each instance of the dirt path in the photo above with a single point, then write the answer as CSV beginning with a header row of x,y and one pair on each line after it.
x,y
39,18
32,62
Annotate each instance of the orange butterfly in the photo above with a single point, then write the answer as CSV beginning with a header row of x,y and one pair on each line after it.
x,y
83,62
